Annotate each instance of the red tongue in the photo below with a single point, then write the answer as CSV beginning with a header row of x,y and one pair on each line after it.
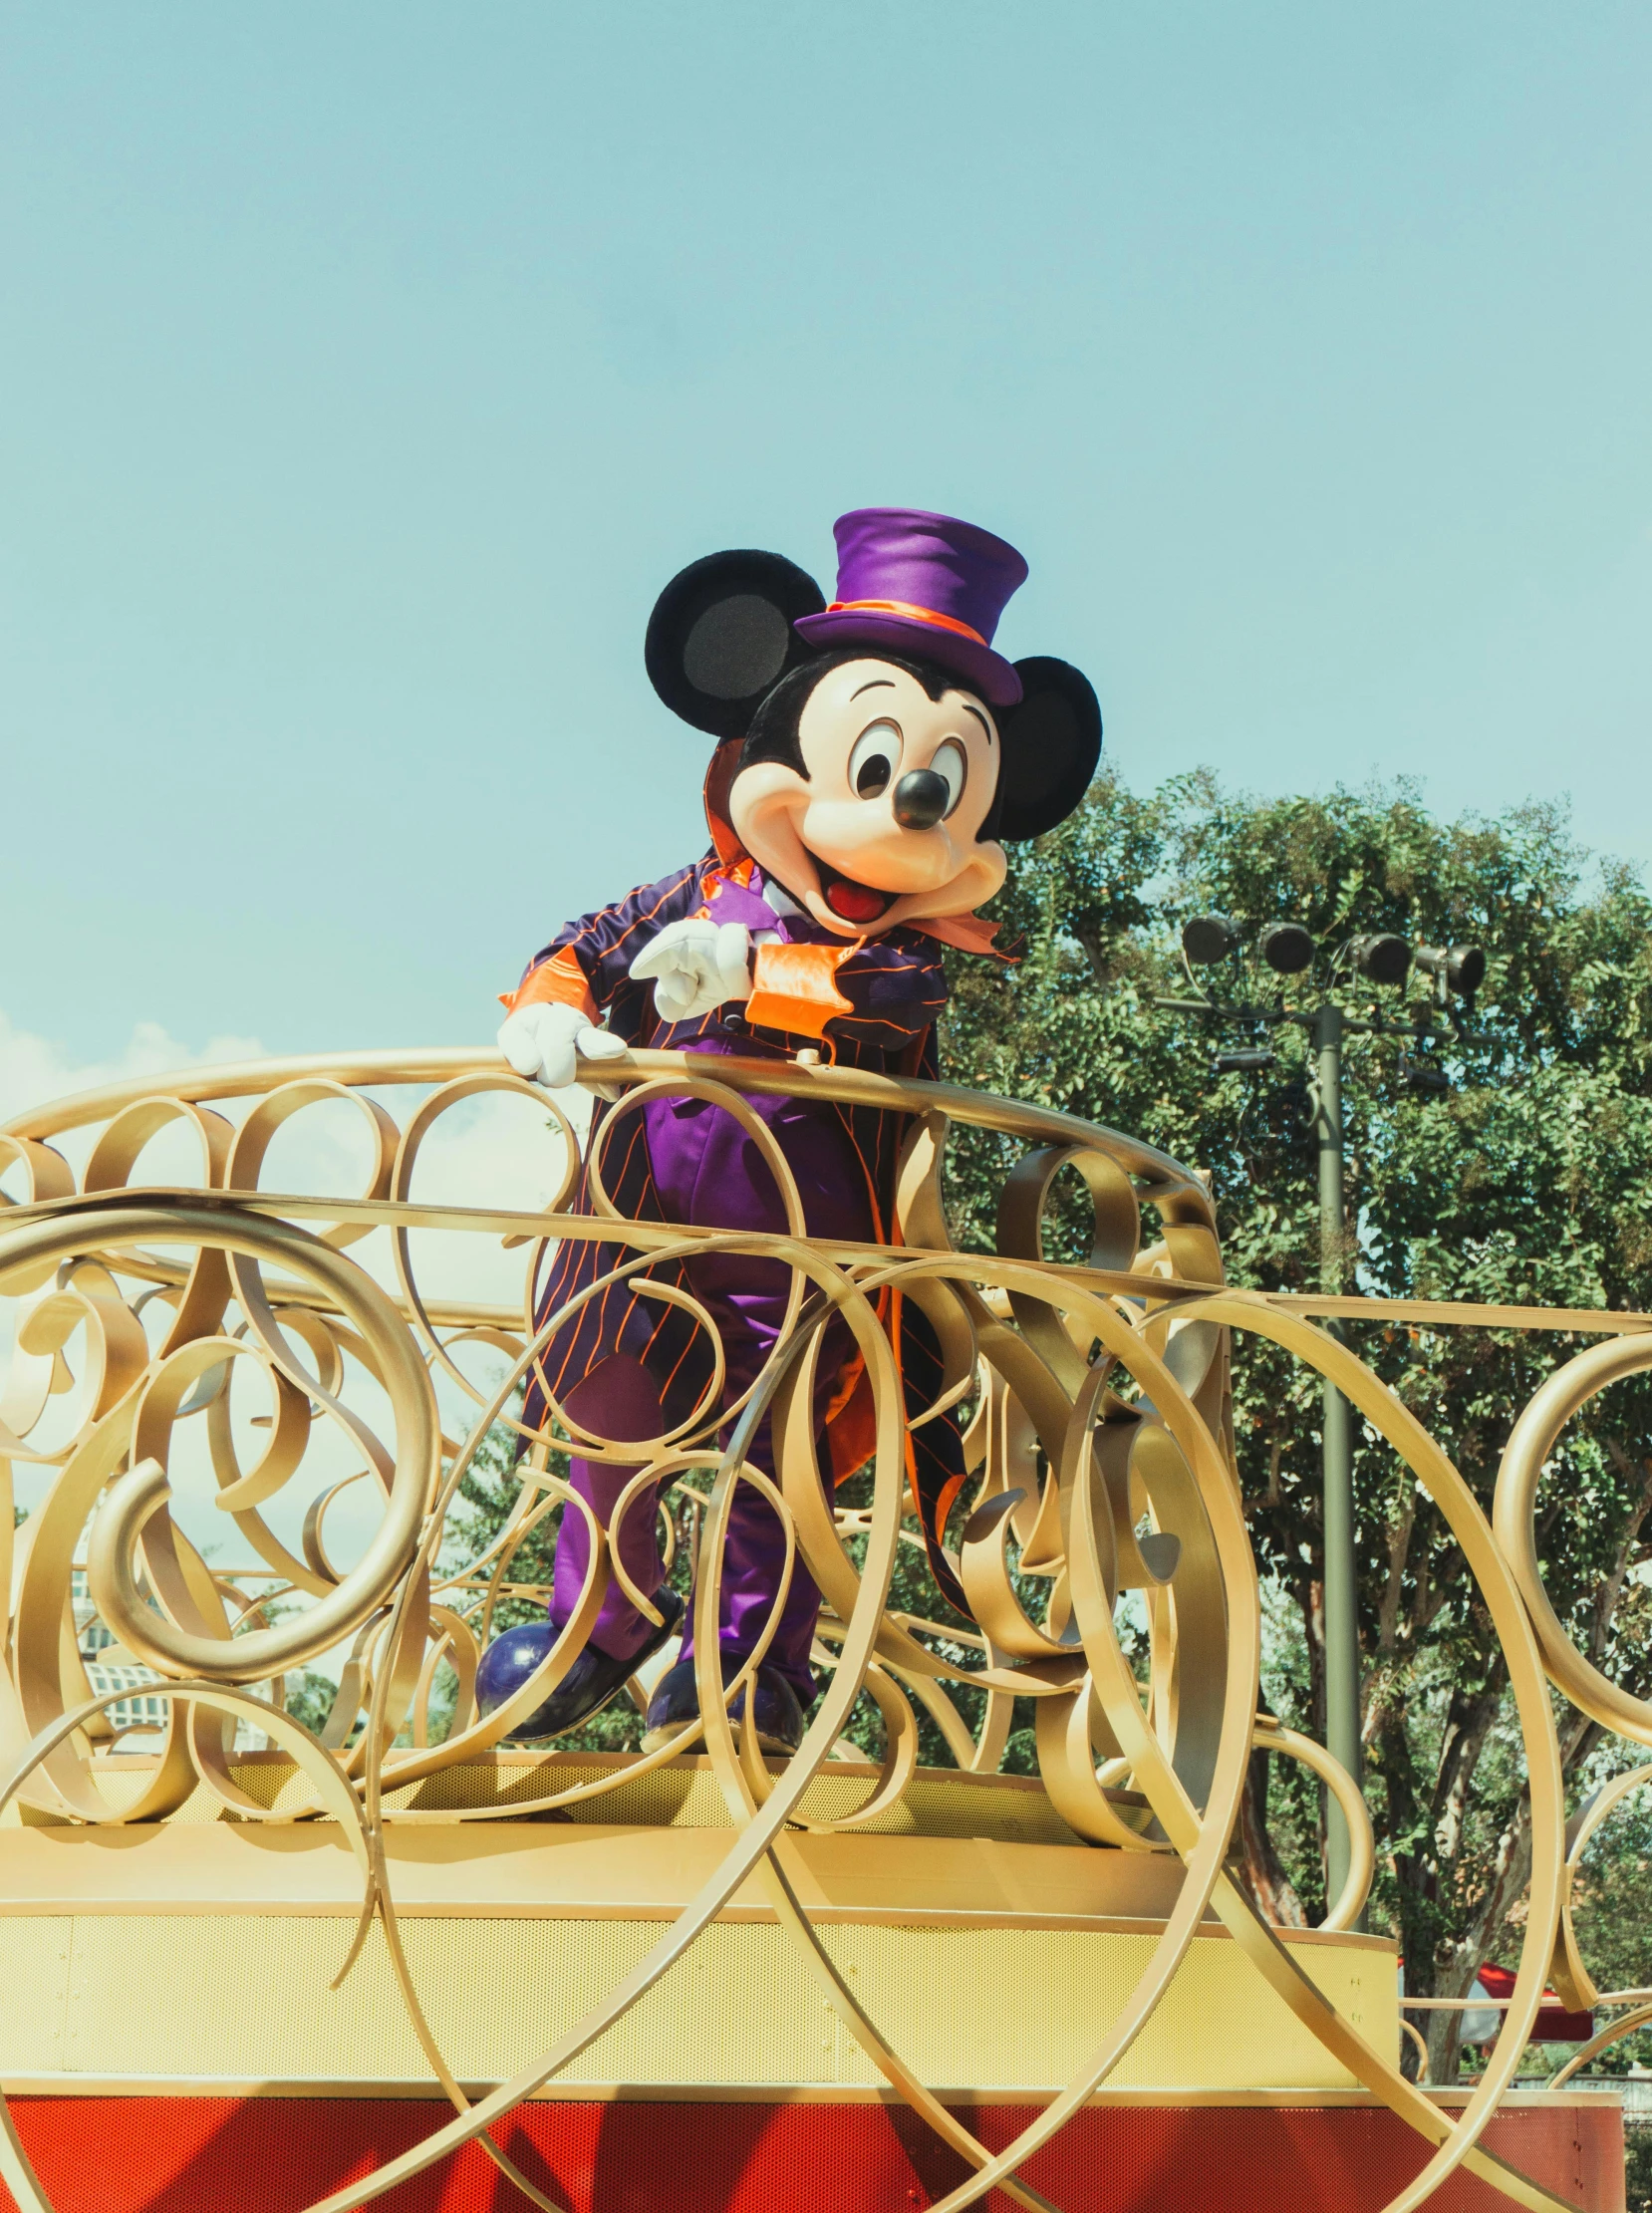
x,y
855,902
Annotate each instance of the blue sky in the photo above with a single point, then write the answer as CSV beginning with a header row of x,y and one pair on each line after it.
x,y
370,370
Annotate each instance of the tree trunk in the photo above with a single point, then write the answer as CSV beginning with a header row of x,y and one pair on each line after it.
x,y
1439,2033
1263,1872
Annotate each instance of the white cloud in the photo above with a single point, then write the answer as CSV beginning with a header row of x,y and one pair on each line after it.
x,y
34,1071
497,1150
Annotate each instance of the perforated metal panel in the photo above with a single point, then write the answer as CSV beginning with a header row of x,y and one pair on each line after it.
x,y
186,1994
275,2155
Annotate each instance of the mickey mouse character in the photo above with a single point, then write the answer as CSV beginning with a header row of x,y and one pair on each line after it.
x,y
873,756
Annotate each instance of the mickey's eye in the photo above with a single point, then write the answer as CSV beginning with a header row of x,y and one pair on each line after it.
x,y
874,759
949,763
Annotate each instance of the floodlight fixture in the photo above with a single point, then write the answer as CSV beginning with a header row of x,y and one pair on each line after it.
x,y
1287,947
1423,1078
1382,959
1207,939
1251,1062
1462,969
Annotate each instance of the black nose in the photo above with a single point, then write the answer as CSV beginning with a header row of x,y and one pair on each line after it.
x,y
921,799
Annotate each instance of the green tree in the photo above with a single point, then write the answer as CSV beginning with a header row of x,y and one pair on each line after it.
x,y
1529,1184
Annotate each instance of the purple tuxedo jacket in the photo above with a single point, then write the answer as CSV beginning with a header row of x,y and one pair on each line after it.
x,y
869,1003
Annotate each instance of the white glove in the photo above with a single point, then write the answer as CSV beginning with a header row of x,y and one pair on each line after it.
x,y
540,1042
696,966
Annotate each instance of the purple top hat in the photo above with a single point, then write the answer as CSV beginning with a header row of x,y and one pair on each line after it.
x,y
925,585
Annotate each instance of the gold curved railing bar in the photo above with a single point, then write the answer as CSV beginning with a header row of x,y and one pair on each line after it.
x,y
771,1078
1344,1909
1077,1493
650,1235
1455,2144
501,1223
1612,2034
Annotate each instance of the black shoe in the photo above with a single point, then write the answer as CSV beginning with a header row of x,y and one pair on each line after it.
x,y
676,1702
594,1679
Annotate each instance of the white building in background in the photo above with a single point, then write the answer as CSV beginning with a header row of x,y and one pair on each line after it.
x,y
138,1720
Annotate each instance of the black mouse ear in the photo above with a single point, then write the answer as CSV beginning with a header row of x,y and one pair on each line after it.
x,y
721,635
1052,744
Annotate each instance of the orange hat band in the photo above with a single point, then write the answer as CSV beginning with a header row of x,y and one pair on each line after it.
x,y
910,613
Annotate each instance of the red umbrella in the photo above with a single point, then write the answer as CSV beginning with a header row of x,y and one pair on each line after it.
x,y
1554,2025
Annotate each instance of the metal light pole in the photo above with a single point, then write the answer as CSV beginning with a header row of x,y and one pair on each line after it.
x,y
1342,1725
1288,950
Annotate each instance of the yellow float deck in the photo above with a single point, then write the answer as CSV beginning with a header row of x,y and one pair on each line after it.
x,y
987,1941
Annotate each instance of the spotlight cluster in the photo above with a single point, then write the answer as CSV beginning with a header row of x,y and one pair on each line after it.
x,y
1381,958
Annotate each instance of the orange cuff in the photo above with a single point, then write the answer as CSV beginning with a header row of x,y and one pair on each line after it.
x,y
794,987
558,981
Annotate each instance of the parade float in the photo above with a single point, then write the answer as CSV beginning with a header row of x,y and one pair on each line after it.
x,y
424,1947
360,1964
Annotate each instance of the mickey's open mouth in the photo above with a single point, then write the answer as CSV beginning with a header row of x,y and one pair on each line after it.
x,y
849,901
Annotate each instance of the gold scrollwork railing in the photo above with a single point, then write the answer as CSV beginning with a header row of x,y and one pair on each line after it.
x,y
1095,1405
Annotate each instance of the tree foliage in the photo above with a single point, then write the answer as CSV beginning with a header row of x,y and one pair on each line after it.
x,y
1531,1182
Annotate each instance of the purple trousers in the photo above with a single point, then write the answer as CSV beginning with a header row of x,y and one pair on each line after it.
x,y
711,1175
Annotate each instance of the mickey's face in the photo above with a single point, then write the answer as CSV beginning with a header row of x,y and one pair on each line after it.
x,y
881,826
